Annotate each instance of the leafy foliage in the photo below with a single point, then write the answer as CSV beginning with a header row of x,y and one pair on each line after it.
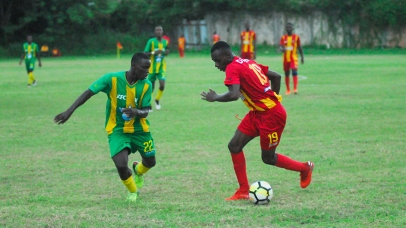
x,y
67,23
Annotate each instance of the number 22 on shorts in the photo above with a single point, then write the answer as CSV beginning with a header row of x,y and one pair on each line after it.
x,y
148,146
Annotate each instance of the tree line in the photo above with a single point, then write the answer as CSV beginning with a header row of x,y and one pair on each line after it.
x,y
82,25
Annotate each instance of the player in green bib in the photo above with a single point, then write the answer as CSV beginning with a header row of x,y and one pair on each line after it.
x,y
128,103
157,48
30,54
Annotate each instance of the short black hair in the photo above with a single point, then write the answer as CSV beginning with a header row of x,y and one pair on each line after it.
x,y
289,23
220,45
138,56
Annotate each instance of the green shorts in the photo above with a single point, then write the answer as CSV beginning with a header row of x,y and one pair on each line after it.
x,y
153,76
30,64
141,142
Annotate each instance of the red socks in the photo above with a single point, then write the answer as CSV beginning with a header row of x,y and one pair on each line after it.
x,y
295,82
290,164
287,81
240,170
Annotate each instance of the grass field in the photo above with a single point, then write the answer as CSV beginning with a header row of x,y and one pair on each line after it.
x,y
349,118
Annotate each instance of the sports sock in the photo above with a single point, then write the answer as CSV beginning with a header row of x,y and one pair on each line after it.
x,y
159,94
290,164
287,81
240,170
31,78
295,82
130,184
141,169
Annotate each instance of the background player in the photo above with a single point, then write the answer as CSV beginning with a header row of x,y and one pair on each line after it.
x,y
157,48
216,37
259,88
129,97
30,54
181,45
248,43
289,45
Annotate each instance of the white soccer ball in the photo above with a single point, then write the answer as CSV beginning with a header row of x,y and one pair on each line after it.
x,y
260,192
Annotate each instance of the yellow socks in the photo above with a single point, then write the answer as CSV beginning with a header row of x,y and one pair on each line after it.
x,y
159,94
141,169
31,78
130,184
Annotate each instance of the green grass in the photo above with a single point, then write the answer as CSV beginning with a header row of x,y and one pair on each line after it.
x,y
349,118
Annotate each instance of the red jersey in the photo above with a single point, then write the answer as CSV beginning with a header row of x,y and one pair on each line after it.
x,y
247,39
255,86
216,38
291,43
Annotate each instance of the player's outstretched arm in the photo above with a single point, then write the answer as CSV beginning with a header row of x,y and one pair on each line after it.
x,y
275,79
64,116
232,94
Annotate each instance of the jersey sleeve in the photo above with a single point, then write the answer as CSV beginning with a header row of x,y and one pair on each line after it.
x,y
101,84
146,101
232,76
281,42
263,68
148,46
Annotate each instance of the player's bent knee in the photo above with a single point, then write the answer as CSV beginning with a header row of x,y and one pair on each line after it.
x,y
269,157
234,148
162,88
149,162
294,72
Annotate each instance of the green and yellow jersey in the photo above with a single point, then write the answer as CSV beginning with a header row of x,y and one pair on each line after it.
x,y
120,94
30,50
158,64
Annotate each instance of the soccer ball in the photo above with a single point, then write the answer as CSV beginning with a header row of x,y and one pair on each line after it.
x,y
260,192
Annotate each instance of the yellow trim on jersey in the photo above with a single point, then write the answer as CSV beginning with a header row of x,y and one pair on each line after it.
x,y
249,101
268,102
152,58
112,122
130,102
143,121
158,65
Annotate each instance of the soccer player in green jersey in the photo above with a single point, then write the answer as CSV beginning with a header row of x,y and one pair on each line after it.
x,y
157,48
30,54
128,102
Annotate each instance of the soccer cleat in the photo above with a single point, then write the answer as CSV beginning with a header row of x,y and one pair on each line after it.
x,y
239,195
132,197
157,105
34,83
287,92
295,91
139,179
306,176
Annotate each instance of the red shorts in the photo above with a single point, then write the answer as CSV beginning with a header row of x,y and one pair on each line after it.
x,y
267,125
247,55
290,65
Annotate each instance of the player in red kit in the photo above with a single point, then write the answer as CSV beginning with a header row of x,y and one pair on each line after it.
x,y
259,88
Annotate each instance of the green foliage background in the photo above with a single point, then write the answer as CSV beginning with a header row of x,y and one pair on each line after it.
x,y
93,26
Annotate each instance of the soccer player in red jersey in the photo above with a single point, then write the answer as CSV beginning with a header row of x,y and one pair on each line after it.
x,y
289,45
258,88
216,37
248,43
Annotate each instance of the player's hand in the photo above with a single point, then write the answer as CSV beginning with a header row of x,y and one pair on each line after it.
x,y
282,49
158,52
39,64
20,63
209,96
302,60
129,112
62,117
255,55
